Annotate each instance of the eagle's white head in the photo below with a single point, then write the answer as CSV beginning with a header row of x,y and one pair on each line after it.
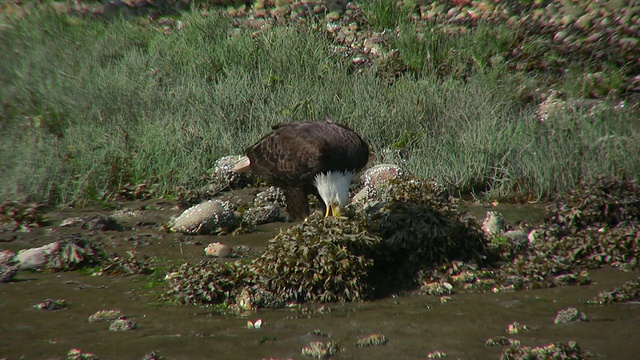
x,y
333,187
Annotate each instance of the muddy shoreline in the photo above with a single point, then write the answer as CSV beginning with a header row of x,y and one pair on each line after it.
x,y
414,324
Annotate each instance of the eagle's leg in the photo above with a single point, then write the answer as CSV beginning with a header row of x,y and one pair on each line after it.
x,y
297,204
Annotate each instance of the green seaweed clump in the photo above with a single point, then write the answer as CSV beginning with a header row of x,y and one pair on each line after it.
x,y
595,225
559,351
74,253
421,229
604,203
319,260
208,282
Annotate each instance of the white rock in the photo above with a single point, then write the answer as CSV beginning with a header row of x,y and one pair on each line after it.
x,y
36,258
218,250
209,217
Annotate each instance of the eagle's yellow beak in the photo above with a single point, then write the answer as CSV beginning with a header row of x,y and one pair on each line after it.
x,y
332,210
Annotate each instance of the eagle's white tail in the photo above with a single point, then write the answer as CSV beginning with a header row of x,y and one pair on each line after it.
x,y
243,165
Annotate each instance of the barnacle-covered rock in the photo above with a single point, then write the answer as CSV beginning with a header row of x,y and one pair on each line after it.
x,y
262,215
209,217
272,196
373,177
105,315
320,350
568,315
493,224
371,340
225,178
123,325
8,266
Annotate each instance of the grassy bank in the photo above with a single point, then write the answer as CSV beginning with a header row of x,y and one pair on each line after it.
x,y
89,105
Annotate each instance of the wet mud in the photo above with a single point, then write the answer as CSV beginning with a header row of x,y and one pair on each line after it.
x,y
414,324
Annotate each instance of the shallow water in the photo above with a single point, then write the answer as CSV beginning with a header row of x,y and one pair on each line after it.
x,y
414,324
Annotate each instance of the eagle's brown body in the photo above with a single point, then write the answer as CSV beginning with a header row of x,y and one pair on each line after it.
x,y
295,153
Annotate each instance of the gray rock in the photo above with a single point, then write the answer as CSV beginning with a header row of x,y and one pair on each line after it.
x,y
262,215
209,217
36,258
569,315
8,266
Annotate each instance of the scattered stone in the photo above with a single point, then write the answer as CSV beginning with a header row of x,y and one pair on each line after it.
x,y
437,355
105,315
371,340
209,217
51,304
516,328
122,325
8,266
569,315
217,249
154,355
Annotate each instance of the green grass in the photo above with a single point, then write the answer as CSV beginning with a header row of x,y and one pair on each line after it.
x,y
88,106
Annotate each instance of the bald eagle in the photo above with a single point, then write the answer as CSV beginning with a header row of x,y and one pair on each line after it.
x,y
303,158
